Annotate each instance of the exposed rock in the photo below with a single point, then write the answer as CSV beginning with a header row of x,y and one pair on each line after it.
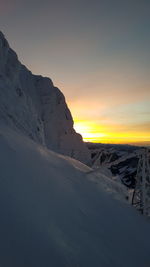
x,y
120,160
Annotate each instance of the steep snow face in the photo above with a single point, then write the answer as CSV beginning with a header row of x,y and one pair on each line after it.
x,y
54,213
31,104
17,108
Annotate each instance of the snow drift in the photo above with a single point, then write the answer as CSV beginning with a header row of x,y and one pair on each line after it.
x,y
52,214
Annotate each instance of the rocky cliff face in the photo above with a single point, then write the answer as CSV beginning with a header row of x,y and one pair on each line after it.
x,y
33,105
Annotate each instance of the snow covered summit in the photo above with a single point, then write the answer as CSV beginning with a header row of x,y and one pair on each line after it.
x,y
32,105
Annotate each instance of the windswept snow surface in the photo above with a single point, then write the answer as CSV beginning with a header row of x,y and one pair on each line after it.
x,y
54,214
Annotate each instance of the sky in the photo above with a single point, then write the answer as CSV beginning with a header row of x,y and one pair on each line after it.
x,y
96,52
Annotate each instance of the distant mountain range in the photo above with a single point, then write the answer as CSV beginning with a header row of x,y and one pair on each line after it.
x,y
120,160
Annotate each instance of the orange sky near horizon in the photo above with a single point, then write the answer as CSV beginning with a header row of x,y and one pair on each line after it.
x,y
94,132
112,105
109,123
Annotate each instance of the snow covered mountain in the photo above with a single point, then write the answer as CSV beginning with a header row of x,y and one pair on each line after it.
x,y
34,106
55,211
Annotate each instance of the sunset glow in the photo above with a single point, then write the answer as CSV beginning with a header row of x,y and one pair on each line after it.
x,y
92,132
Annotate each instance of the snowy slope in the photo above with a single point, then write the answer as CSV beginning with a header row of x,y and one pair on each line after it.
x,y
32,105
54,214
